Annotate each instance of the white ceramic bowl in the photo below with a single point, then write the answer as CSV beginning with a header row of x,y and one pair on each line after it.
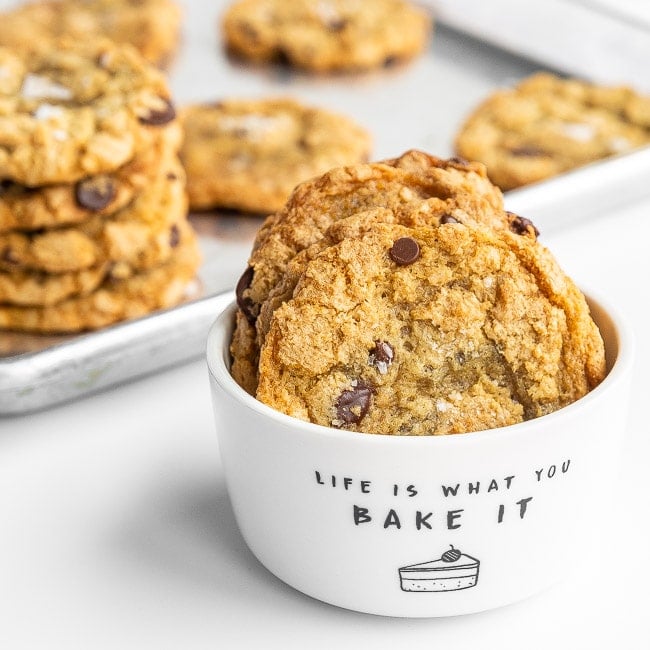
x,y
368,522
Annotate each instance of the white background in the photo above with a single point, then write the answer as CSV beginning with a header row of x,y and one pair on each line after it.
x,y
115,525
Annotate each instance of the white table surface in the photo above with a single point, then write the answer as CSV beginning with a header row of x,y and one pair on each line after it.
x,y
116,530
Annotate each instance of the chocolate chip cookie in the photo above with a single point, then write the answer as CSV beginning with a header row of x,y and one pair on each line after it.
x,y
547,125
430,330
33,208
151,26
114,300
250,154
418,189
78,110
331,35
142,234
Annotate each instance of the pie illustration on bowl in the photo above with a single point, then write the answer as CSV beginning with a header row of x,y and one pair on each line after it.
x,y
452,571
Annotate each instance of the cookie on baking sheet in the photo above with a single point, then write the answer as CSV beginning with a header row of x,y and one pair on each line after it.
x,y
33,208
29,288
114,300
330,35
144,233
78,110
38,288
151,26
418,331
249,154
418,188
547,125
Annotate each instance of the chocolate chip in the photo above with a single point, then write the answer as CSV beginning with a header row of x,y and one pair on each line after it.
x,y
249,32
457,160
171,176
353,404
337,24
246,305
95,193
405,251
381,356
521,225
447,218
527,151
174,236
158,117
9,256
390,61
281,57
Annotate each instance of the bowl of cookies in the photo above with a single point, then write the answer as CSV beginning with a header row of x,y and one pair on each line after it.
x,y
415,405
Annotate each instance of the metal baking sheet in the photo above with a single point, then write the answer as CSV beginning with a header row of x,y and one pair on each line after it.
x,y
415,105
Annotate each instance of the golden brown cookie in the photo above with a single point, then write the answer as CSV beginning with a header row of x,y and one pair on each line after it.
x,y
27,208
78,110
418,188
144,233
419,331
37,288
151,26
547,125
114,300
250,154
330,35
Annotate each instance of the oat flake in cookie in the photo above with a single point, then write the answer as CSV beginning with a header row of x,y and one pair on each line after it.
x,y
250,154
78,110
547,125
482,329
328,35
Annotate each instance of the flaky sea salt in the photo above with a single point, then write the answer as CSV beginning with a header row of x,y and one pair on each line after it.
x,y
38,87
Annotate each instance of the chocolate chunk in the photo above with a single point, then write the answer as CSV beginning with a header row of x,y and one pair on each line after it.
x,y
158,117
381,356
174,236
405,251
246,305
447,218
95,193
521,225
9,256
527,151
353,404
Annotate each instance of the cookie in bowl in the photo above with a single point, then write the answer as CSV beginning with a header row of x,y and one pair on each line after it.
x,y
429,331
418,189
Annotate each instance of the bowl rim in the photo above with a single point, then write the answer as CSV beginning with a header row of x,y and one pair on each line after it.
x,y
217,350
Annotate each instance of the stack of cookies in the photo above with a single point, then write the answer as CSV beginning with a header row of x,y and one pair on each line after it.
x,y
93,209
401,298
